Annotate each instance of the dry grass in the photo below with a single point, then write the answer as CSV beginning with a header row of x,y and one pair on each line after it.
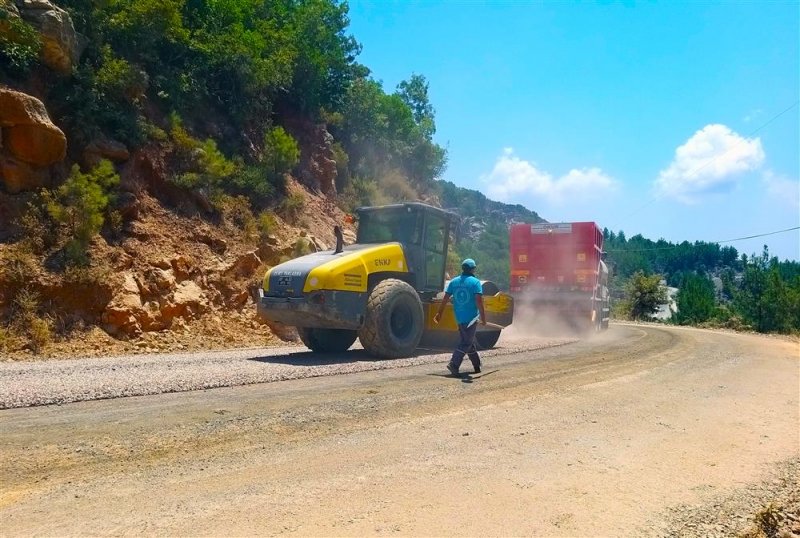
x,y
39,335
28,329
766,523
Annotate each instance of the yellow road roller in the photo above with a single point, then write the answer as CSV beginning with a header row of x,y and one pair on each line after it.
x,y
383,290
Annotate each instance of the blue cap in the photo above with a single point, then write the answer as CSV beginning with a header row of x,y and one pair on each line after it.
x,y
469,263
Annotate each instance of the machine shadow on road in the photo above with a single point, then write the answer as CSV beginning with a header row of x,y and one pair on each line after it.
x,y
309,358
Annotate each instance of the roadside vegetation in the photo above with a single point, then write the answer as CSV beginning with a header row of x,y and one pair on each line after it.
x,y
231,98
717,287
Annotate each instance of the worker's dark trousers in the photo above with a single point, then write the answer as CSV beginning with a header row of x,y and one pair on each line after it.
x,y
466,346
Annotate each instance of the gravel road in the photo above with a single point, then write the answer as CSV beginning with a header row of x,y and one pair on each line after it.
x,y
24,384
642,431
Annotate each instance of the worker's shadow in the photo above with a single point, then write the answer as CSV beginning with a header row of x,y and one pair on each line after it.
x,y
466,377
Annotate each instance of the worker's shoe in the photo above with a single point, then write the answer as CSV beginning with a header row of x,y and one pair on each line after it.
x,y
477,370
453,369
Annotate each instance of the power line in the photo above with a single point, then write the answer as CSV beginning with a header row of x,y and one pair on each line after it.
x,y
759,235
710,242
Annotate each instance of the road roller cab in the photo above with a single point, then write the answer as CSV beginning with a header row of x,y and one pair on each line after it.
x,y
383,290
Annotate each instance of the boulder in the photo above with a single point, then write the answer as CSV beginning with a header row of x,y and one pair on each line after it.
x,y
17,108
19,176
102,148
163,280
62,46
238,300
40,145
129,314
187,301
216,244
244,265
30,142
183,267
318,243
128,206
124,313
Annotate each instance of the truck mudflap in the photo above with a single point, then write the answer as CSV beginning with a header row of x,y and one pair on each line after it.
x,y
323,309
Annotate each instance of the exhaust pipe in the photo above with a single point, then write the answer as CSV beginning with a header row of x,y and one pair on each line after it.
x,y
337,231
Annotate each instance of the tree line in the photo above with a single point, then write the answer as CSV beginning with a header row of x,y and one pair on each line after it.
x,y
226,79
716,285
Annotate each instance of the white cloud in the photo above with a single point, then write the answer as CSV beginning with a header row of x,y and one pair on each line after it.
x,y
512,178
782,188
710,160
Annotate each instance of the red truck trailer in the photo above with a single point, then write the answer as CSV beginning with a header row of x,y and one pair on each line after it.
x,y
558,274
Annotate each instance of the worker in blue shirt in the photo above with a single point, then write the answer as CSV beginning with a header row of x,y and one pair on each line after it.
x,y
467,295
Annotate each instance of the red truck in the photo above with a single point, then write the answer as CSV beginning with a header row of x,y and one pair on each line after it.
x,y
558,274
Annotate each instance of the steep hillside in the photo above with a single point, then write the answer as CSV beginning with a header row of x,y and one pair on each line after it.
x,y
156,156
168,280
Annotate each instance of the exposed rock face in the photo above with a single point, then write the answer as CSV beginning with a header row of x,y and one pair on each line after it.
x,y
62,46
244,265
151,302
30,142
317,164
174,290
322,164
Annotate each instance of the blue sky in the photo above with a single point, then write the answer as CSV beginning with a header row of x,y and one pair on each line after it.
x,y
665,119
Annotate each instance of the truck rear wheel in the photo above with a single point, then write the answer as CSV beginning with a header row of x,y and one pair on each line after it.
x,y
327,340
394,320
487,339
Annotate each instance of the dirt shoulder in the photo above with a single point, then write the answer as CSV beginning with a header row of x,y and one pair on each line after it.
x,y
601,437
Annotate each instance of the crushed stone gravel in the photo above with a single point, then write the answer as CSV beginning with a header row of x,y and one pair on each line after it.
x,y
767,508
31,383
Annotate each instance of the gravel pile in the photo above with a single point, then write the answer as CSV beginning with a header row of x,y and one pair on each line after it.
x,y
24,384
767,509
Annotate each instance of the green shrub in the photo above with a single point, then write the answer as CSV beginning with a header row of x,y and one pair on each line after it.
x,y
209,170
88,276
19,44
152,131
281,152
236,211
395,186
184,142
39,334
213,175
100,99
80,205
256,183
362,192
267,224
38,228
292,206
117,79
342,166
